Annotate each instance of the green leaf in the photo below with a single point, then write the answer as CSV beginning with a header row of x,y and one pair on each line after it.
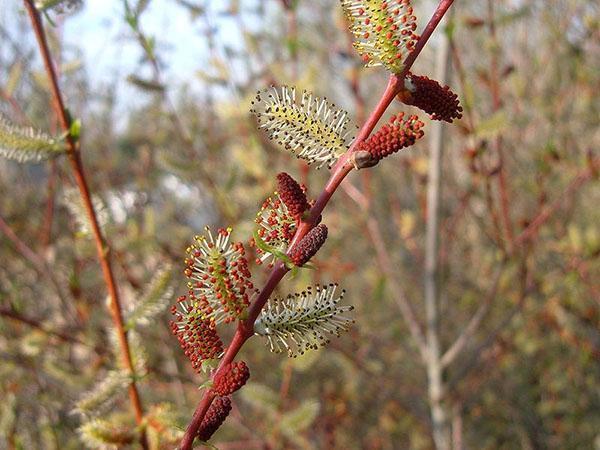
x,y
206,385
450,29
272,250
146,85
75,129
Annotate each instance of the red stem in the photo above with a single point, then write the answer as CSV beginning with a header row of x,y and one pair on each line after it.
x,y
102,247
436,18
341,169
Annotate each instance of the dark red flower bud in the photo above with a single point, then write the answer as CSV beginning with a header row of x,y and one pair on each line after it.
x,y
232,379
291,194
309,245
215,416
397,134
430,96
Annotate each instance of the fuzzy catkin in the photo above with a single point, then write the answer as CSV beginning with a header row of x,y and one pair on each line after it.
x,y
214,418
309,245
291,194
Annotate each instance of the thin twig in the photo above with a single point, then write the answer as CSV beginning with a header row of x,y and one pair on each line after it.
x,y
102,247
14,315
475,357
469,331
531,230
494,85
40,265
405,307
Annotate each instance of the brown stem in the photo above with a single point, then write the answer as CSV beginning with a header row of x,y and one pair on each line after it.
x,y
342,168
40,265
387,266
497,142
466,336
529,232
46,231
14,315
102,247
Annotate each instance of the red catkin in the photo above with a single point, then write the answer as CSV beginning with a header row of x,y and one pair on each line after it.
x,y
197,336
291,194
215,416
309,245
430,96
232,379
398,133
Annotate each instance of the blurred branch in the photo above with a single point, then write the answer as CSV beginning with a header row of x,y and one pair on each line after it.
x,y
494,85
386,266
469,331
406,309
102,246
434,366
11,314
528,233
181,130
475,356
40,265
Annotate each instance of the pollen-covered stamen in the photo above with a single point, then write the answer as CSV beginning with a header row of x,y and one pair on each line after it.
x,y
276,228
219,276
214,418
303,321
384,31
398,133
292,195
430,96
232,378
196,334
306,125
309,245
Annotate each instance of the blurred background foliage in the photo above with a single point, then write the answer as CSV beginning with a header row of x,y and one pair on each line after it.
x,y
168,154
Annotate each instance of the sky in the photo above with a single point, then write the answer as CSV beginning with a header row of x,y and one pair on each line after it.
x,y
99,29
110,53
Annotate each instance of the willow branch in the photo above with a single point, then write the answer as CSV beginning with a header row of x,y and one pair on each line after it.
x,y
339,172
102,247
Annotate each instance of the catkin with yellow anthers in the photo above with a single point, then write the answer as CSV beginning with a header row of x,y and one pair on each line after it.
x,y
303,321
384,31
306,125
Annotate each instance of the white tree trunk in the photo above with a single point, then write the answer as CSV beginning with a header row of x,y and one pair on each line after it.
x,y
439,416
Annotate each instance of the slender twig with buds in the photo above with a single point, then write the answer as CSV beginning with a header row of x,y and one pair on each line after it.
x,y
316,131
73,151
